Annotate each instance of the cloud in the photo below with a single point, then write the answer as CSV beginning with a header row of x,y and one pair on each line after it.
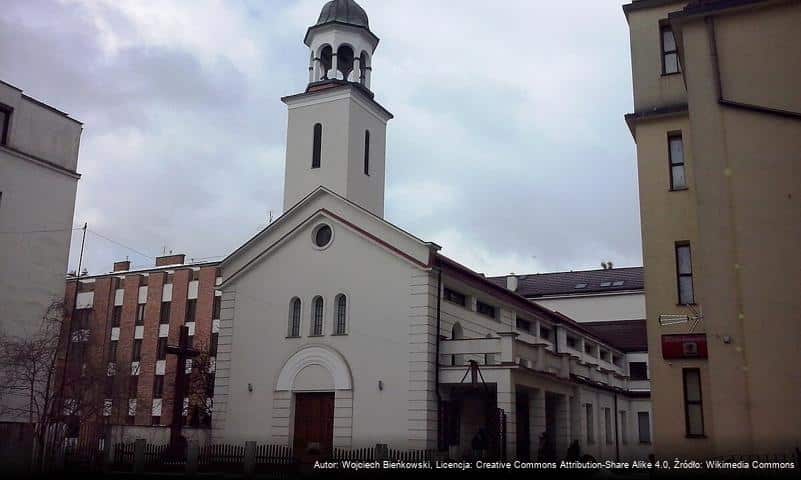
x,y
508,146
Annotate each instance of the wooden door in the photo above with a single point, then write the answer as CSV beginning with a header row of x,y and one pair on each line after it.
x,y
314,424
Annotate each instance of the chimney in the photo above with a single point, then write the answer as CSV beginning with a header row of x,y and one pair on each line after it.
x,y
511,282
170,260
123,266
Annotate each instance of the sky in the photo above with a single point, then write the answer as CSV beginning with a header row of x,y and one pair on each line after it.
x,y
508,147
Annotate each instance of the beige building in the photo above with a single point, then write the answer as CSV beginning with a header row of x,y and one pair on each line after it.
x,y
717,123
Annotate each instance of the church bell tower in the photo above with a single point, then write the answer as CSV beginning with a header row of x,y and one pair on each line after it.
x,y
336,133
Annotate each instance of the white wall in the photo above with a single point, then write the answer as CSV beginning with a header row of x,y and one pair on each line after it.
x,y
35,197
596,308
376,348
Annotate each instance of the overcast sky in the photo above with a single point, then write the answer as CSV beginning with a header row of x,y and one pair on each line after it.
x,y
508,146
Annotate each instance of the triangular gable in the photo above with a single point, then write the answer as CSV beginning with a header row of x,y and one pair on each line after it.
x,y
323,202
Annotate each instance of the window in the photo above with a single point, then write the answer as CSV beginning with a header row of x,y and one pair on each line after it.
x,y
317,145
158,386
624,437
644,427
608,426
161,348
317,316
216,307
684,273
191,308
5,122
215,340
322,236
545,333
678,181
109,387
164,318
524,325
618,283
116,315
294,318
581,285
133,386
341,314
454,297
140,314
572,342
485,309
137,350
367,152
155,420
693,405
112,351
670,56
81,319
590,424
638,370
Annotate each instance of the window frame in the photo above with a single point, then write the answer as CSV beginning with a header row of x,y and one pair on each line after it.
x,y
116,316
5,123
486,306
647,416
295,317
589,420
367,152
673,135
317,317
191,310
608,436
644,371
341,314
688,402
317,145
165,314
665,26
136,350
679,275
158,386
454,296
139,320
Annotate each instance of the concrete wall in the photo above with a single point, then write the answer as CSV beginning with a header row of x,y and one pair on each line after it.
x,y
376,348
748,211
595,308
345,114
37,184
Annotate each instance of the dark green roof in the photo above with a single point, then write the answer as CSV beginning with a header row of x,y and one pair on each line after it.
x,y
343,11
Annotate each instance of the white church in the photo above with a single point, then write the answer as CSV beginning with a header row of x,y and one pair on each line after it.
x,y
341,330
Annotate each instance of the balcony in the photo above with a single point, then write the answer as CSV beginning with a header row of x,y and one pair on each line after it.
x,y
506,350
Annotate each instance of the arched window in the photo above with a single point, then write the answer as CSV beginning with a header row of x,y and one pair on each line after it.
x,y
345,61
326,60
317,145
317,316
294,317
367,152
340,319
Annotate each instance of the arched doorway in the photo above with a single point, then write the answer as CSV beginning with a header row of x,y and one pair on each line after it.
x,y
313,398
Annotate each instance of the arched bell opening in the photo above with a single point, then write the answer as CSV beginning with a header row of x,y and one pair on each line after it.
x,y
345,61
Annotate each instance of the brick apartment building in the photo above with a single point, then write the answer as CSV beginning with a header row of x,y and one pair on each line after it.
x,y
119,326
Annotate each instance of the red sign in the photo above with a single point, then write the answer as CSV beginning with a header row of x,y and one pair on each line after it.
x,y
684,346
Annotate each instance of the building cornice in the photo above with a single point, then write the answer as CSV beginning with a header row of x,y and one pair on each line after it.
x,y
632,119
40,161
338,89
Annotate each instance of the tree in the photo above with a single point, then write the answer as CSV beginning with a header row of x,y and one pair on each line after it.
x,y
40,382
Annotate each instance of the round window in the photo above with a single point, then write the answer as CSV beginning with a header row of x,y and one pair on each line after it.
x,y
322,236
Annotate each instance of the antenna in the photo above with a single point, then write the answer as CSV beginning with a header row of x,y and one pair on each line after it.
x,y
667,319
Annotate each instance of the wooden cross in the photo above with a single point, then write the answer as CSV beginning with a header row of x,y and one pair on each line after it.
x,y
184,352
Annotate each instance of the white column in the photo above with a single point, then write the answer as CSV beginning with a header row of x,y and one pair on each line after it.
x,y
367,74
334,72
356,72
505,399
536,401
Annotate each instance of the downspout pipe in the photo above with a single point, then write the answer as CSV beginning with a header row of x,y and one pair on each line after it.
x,y
617,440
436,359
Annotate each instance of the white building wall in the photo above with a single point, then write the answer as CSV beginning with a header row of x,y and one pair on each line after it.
x,y
37,192
596,308
378,287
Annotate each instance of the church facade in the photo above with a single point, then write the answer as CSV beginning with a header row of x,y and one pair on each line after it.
x,y
341,330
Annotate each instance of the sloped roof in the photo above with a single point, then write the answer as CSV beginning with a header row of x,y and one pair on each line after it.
x,y
572,283
627,335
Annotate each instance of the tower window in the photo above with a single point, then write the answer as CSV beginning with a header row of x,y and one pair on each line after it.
x,y
693,405
317,145
5,121
670,55
367,152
